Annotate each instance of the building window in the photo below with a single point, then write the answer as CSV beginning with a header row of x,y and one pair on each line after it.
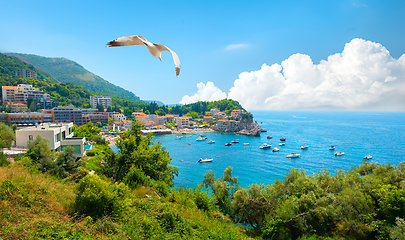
x,y
30,137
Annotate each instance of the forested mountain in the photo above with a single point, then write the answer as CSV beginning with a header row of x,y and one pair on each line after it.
x,y
70,93
67,71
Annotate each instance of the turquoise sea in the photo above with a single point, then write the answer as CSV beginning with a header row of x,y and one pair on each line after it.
x,y
380,134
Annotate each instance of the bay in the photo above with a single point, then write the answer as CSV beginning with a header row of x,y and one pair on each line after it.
x,y
380,134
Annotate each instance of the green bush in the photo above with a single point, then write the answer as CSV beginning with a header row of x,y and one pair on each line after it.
x,y
99,140
96,197
136,177
90,153
3,160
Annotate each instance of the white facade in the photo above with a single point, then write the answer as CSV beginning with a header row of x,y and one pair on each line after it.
x,y
119,117
59,135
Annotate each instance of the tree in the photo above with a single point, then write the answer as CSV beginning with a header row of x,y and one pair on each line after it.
x,y
65,163
40,153
100,107
96,197
7,136
88,130
222,188
140,153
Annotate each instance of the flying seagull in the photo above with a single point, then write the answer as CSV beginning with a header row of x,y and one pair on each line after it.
x,y
154,48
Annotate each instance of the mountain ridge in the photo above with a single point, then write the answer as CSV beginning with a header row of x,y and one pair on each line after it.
x,y
64,70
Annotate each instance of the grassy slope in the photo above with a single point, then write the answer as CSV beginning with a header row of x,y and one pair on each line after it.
x,y
35,206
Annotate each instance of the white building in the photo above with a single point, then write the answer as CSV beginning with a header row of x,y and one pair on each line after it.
x,y
103,100
119,117
59,135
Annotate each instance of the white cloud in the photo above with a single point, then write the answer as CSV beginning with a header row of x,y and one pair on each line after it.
x,y
236,46
363,77
207,92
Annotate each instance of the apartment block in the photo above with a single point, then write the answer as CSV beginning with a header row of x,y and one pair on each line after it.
x,y
26,73
103,100
26,118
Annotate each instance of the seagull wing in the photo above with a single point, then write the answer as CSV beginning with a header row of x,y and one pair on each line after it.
x,y
176,59
127,41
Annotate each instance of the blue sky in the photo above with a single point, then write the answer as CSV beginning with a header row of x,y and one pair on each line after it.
x,y
227,48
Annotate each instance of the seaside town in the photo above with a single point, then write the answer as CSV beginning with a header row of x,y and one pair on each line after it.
x,y
29,108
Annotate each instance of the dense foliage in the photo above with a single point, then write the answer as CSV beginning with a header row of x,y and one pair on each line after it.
x,y
128,196
67,71
361,203
139,160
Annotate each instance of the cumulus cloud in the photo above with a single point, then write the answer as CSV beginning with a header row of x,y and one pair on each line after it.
x,y
207,92
363,77
236,46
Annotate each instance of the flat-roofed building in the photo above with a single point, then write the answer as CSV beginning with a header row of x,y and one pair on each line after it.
x,y
103,100
26,118
59,135
8,93
160,120
26,73
119,117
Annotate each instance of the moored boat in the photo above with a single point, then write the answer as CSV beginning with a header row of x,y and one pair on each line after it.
x,y
228,144
294,155
368,157
281,144
276,149
200,139
303,147
246,144
339,153
269,137
235,141
332,148
211,141
205,160
265,145
282,139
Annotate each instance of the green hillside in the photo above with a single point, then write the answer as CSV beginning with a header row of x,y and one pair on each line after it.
x,y
67,71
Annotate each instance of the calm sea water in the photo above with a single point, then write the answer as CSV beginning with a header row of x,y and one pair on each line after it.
x,y
380,134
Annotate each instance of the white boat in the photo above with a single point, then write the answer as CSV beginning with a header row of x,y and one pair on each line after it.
x,y
228,144
265,145
281,144
276,149
200,139
339,153
235,141
294,155
205,160
179,137
303,147
332,148
246,144
368,157
211,141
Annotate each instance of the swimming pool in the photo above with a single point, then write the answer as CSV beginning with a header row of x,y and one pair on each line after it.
x,y
88,147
